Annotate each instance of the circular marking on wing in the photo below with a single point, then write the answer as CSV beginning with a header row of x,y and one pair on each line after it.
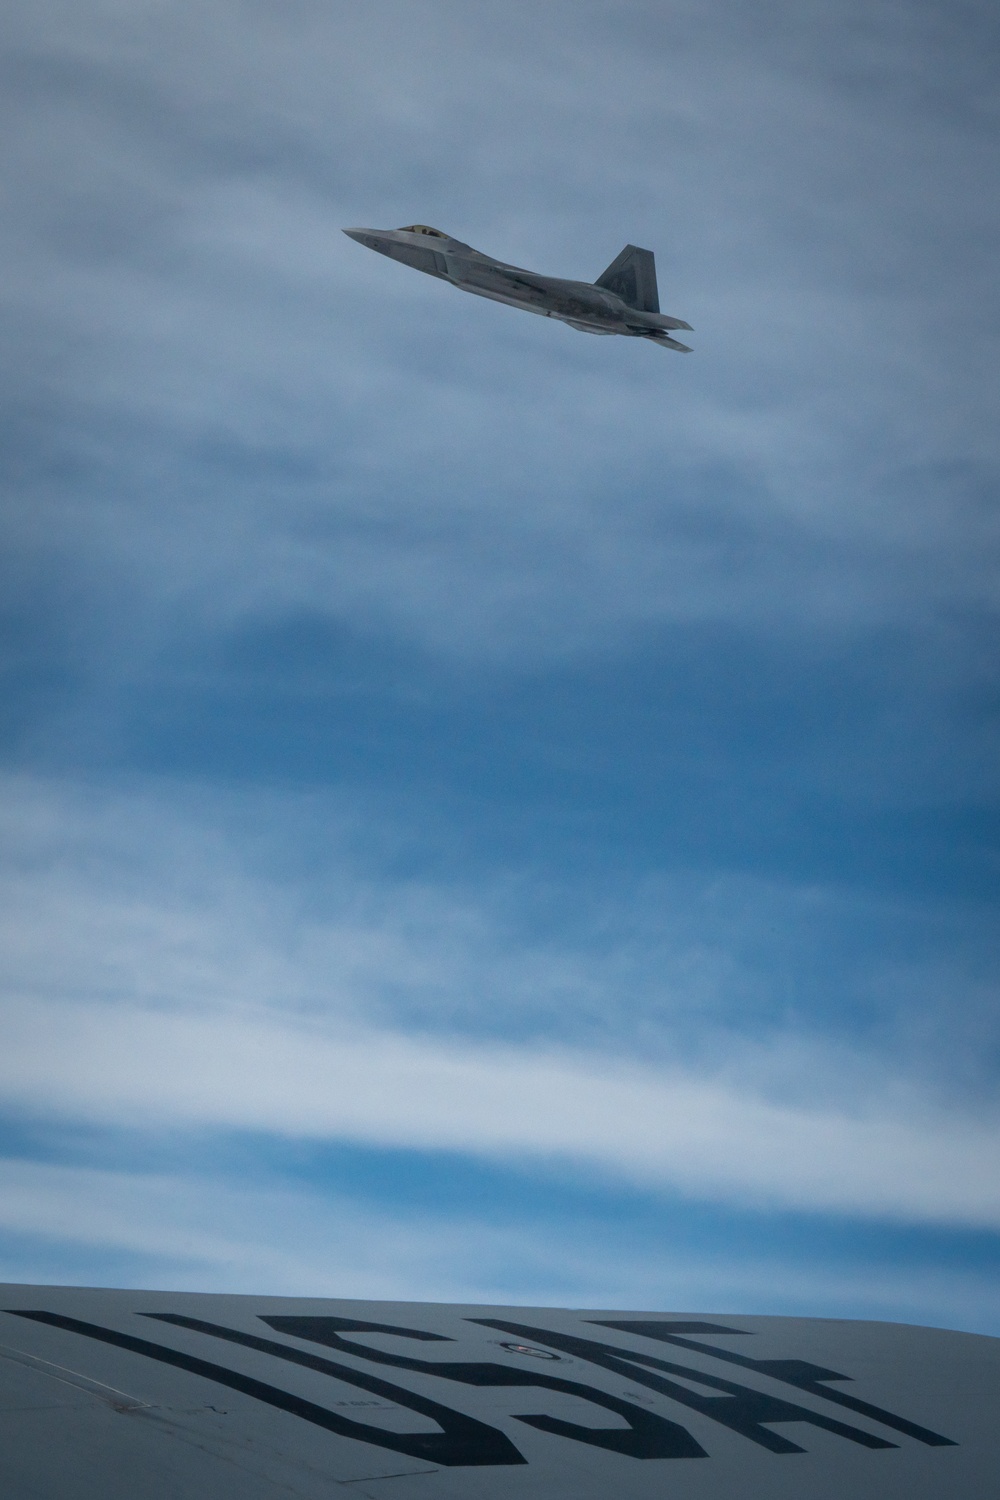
x,y
530,1350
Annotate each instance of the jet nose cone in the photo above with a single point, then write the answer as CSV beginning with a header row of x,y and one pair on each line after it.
x,y
363,236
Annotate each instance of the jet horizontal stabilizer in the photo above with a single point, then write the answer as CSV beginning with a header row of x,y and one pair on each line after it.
x,y
663,338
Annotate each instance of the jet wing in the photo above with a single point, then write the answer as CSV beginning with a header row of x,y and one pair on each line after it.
x,y
531,279
482,272
114,1395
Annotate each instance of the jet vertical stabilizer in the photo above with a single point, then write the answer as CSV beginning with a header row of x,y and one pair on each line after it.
x,y
632,277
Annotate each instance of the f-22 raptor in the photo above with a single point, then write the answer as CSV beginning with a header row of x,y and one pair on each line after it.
x,y
624,299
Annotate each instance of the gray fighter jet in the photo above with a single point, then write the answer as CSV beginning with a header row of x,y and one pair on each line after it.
x,y
622,300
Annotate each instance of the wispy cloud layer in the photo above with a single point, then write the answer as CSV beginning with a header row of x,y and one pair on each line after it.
x,y
708,1138
142,1005
212,352
204,1233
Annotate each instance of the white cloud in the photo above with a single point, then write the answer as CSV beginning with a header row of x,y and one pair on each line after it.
x,y
179,1231
123,1066
155,980
207,1233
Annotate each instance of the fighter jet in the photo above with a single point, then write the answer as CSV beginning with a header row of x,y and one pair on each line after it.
x,y
623,299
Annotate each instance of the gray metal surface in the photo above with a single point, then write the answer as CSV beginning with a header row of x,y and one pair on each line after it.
x,y
624,299
112,1394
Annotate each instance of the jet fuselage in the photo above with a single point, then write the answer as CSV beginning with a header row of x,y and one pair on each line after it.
x,y
587,306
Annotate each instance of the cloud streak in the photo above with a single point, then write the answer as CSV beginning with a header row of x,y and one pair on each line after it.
x,y
117,1066
183,1229
158,982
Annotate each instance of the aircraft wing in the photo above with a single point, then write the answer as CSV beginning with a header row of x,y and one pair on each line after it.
x,y
127,1395
483,272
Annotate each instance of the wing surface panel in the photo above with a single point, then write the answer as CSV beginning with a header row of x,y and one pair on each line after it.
x,y
117,1394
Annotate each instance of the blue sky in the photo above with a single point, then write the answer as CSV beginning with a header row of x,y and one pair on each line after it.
x,y
491,813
